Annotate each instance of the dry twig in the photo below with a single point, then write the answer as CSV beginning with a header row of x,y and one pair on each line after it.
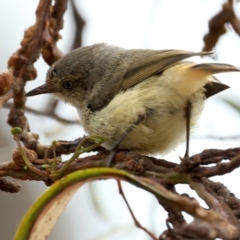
x,y
136,222
217,25
50,52
8,186
79,24
49,113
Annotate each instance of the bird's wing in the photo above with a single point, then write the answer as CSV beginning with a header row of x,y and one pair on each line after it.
x,y
152,63
147,63
133,67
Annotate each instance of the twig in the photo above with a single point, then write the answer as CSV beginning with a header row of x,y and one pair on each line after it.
x,y
21,63
219,169
132,162
136,222
48,113
210,156
50,52
41,37
217,25
79,25
8,186
206,157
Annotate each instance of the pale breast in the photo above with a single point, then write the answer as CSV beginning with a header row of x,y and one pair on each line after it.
x,y
164,126
163,131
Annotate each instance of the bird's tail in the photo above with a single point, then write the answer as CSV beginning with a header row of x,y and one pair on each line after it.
x,y
191,77
213,68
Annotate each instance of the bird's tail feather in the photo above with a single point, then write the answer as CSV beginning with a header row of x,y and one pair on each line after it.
x,y
191,77
214,68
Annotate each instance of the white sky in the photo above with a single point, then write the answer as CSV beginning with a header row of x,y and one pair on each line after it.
x,y
131,24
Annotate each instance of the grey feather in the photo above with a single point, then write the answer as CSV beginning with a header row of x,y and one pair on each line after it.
x,y
154,63
128,68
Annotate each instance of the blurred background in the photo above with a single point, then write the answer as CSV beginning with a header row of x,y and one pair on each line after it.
x,y
97,211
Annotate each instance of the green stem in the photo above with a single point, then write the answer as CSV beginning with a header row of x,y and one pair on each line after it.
x,y
79,150
27,162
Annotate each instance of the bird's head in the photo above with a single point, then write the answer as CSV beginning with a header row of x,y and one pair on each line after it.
x,y
68,78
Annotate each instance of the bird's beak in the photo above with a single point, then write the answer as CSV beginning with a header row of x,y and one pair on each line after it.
x,y
40,90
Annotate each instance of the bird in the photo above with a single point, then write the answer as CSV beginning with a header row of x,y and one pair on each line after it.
x,y
143,100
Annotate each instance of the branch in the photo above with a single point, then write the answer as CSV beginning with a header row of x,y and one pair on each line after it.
x,y
50,52
217,25
193,164
21,67
129,161
39,38
158,174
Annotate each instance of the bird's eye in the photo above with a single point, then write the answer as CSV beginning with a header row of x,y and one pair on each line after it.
x,y
68,84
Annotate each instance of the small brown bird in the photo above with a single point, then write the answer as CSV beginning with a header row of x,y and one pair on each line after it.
x,y
139,98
